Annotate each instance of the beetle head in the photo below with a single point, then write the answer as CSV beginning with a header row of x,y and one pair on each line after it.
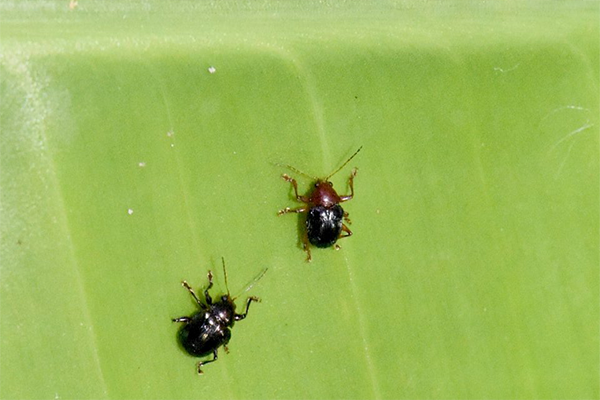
x,y
322,183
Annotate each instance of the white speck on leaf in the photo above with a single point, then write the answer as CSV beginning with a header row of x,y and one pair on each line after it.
x,y
130,211
170,133
142,164
502,70
212,69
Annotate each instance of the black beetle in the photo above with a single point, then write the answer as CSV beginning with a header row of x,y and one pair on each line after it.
x,y
325,217
209,328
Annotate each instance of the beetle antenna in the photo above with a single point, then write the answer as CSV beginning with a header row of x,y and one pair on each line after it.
x,y
296,170
343,165
254,281
225,274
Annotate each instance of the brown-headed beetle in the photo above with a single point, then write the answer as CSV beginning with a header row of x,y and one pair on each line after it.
x,y
325,217
209,328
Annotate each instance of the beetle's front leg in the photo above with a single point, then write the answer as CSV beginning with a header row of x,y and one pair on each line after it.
x,y
291,180
351,184
210,285
189,289
239,317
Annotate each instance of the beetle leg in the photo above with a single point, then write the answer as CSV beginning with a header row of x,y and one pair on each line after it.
x,y
306,247
345,229
294,210
291,180
210,284
201,363
351,184
189,289
346,218
182,319
239,317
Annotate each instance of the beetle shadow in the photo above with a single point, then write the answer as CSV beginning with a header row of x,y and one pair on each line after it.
x,y
178,336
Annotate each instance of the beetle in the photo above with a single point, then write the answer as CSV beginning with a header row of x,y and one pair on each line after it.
x,y
210,327
324,215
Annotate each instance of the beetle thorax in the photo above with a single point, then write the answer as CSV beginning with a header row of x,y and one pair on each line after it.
x,y
324,194
224,310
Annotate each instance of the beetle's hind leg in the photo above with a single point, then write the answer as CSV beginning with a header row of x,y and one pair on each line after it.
x,y
345,230
202,363
182,319
306,246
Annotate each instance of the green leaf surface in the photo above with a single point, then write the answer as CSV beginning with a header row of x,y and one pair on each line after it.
x,y
129,164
